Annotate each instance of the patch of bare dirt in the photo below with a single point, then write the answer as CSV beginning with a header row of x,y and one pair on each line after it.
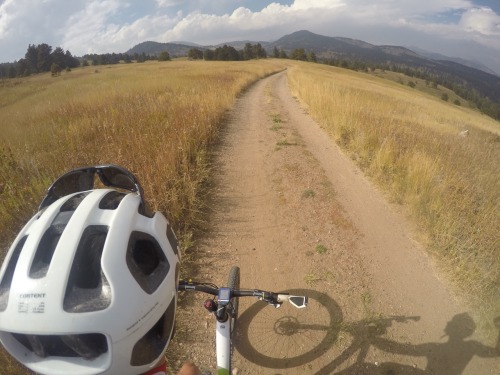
x,y
295,214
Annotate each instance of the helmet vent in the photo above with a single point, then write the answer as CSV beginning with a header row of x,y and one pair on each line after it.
x,y
88,289
87,345
72,203
45,251
9,274
146,261
152,344
50,238
111,201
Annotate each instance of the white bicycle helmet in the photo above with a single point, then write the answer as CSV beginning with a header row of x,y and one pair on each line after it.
x,y
89,285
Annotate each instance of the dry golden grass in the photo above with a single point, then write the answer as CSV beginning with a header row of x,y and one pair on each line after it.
x,y
408,142
157,119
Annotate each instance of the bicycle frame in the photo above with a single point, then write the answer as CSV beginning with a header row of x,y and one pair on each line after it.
x,y
224,319
223,347
223,332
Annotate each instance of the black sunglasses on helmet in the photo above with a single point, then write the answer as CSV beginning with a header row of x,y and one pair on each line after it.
x,y
82,179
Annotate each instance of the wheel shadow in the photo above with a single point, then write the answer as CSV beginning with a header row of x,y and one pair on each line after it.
x,y
290,328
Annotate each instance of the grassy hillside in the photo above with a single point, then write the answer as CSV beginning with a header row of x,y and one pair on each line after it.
x,y
160,119
157,119
408,142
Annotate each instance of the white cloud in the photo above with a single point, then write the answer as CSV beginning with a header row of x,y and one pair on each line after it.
x,y
24,22
25,18
168,3
7,16
87,28
481,20
316,4
91,31
480,25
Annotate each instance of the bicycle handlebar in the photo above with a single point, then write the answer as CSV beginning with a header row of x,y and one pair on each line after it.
x,y
273,298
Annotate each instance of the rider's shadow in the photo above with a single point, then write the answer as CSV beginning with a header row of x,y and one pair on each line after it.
x,y
449,358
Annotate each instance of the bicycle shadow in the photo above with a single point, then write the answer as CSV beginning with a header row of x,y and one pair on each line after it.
x,y
446,358
288,327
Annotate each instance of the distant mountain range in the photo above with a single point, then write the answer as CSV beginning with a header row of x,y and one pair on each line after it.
x,y
438,56
473,75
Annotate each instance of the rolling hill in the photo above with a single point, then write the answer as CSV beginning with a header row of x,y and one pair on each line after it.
x,y
155,48
350,49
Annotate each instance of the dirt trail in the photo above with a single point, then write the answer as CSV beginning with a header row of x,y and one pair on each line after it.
x,y
294,213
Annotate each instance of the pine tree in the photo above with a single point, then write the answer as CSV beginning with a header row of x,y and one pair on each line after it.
x,y
44,60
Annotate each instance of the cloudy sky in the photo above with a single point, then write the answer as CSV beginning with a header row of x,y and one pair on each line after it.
x,y
462,28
